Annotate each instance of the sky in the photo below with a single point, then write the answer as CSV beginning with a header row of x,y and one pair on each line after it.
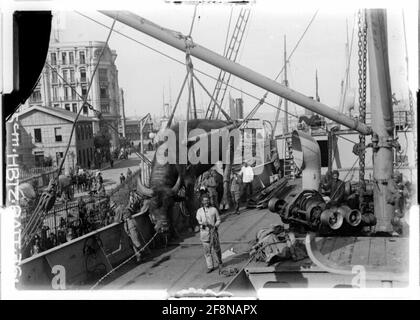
x,y
149,79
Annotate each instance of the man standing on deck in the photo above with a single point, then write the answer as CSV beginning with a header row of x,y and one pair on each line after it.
x,y
211,184
235,189
247,175
335,189
209,221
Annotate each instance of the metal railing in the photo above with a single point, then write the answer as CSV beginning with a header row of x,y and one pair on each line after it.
x,y
65,222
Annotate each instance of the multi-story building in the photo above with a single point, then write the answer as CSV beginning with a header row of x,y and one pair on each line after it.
x,y
71,65
44,134
132,130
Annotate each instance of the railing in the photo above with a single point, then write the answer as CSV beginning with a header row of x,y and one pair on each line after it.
x,y
64,222
42,176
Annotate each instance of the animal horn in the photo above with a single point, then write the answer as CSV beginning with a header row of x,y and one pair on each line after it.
x,y
177,185
143,189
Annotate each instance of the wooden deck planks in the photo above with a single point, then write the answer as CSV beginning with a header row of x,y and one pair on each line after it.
x,y
377,252
360,254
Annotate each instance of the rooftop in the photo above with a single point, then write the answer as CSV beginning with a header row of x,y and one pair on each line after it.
x,y
57,112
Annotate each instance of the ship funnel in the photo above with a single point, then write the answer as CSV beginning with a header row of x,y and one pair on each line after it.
x,y
307,157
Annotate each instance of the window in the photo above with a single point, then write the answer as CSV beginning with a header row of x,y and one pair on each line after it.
x,y
73,94
105,107
54,77
58,136
65,75
71,57
36,96
64,57
103,76
82,57
103,92
71,75
39,158
67,106
66,93
56,105
82,75
37,134
58,157
79,158
84,92
55,93
74,107
53,59
85,110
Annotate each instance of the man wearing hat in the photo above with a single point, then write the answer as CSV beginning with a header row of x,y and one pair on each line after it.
x,y
209,221
247,175
335,188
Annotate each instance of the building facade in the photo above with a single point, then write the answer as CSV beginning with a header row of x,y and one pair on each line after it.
x,y
132,130
44,135
70,66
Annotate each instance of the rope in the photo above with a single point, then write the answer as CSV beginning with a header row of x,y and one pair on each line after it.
x,y
262,100
193,19
123,263
36,220
85,99
180,62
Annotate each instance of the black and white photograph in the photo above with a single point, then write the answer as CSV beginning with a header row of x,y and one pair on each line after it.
x,y
197,149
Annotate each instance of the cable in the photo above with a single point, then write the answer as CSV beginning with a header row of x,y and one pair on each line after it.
x,y
35,220
180,62
193,19
262,100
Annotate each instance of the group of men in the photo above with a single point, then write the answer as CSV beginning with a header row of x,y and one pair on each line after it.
x,y
208,216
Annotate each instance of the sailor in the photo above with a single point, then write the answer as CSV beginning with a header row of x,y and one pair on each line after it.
x,y
247,175
100,189
235,190
335,188
209,221
211,184
124,214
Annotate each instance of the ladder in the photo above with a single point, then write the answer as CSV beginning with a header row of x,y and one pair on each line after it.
x,y
231,53
289,164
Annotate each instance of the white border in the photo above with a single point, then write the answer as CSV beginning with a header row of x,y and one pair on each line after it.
x,y
8,290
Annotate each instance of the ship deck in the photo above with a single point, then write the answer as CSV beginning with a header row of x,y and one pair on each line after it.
x,y
181,265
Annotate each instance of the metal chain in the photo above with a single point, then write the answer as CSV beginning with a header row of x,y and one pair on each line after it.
x,y
362,61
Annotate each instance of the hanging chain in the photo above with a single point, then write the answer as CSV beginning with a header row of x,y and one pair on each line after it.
x,y
362,37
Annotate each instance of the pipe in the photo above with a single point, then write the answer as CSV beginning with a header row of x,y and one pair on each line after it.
x,y
307,157
183,43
